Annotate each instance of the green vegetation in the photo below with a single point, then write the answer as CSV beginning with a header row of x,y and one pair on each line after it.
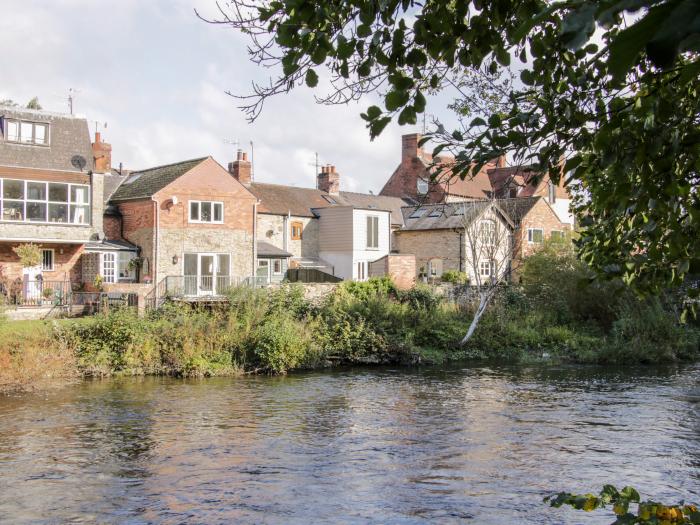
x,y
628,507
555,312
454,276
610,87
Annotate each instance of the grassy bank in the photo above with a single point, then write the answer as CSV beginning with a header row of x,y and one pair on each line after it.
x,y
555,313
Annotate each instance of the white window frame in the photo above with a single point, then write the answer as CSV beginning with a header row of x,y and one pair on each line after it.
x,y
372,238
72,206
487,269
531,236
110,276
275,262
20,139
44,253
488,228
199,203
123,259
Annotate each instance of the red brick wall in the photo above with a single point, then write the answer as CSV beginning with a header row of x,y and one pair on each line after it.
x,y
112,227
540,216
66,261
208,181
401,269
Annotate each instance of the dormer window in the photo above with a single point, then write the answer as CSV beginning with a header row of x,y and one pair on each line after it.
x,y
26,132
422,186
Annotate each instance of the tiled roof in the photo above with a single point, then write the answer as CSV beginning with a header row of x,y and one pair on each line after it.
x,y
68,137
443,216
98,246
265,249
144,183
280,200
112,181
525,179
517,208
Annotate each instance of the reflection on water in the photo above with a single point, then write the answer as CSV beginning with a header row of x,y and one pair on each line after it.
x,y
384,446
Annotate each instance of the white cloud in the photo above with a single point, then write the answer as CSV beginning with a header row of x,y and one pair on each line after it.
x,y
158,75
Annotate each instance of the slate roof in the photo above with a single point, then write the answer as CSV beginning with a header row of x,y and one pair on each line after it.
x,y
279,200
144,183
112,181
517,208
98,246
68,136
265,249
442,216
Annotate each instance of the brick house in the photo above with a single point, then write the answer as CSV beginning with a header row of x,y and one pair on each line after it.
x,y
435,233
416,179
193,222
52,194
338,232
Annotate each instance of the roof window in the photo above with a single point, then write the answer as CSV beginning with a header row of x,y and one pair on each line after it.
x,y
419,212
330,199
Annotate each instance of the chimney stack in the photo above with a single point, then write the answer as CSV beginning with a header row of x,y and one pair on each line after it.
x,y
101,154
241,168
329,180
409,146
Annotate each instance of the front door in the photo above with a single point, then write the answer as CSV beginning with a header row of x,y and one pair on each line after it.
x,y
206,274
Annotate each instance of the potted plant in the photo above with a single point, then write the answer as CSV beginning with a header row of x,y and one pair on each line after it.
x,y
47,293
135,266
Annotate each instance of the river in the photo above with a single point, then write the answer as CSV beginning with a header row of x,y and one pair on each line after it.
x,y
464,444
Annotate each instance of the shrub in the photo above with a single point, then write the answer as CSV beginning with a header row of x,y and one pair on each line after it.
x,y
365,290
454,276
29,254
420,296
279,344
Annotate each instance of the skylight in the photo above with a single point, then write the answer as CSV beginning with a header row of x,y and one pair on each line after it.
x,y
437,212
419,212
330,199
133,178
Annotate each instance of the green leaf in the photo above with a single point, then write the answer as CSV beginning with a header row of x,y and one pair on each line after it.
x,y
311,78
377,126
363,31
395,99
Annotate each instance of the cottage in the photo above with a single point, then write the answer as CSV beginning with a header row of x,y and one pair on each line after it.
x,y
52,194
193,222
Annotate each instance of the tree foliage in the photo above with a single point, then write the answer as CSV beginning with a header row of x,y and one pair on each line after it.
x,y
610,86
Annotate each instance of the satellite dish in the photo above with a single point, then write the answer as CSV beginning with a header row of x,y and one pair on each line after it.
x,y
78,161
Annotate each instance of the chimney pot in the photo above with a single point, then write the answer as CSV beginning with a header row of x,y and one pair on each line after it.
x,y
241,168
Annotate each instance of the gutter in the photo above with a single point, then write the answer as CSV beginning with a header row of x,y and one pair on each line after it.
x,y
156,216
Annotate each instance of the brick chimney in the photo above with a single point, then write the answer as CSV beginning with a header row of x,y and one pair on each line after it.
x,y
241,168
329,180
409,146
102,154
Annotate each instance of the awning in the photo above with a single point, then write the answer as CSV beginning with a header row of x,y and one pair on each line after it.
x,y
267,250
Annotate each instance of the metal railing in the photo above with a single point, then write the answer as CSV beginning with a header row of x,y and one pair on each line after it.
x,y
192,287
36,293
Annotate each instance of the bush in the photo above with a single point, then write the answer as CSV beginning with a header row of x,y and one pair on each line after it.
x,y
454,276
279,344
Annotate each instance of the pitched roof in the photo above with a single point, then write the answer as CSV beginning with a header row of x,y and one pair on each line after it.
x,y
112,181
517,208
144,183
475,186
527,179
443,216
265,249
279,200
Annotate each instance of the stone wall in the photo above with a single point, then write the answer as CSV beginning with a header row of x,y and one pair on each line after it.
x,y
138,288
427,245
271,228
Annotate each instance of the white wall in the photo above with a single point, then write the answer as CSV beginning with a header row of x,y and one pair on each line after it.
x,y
562,208
360,251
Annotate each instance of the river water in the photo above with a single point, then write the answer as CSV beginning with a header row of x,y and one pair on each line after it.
x,y
464,444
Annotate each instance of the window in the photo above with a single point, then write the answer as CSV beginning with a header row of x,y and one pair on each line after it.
x,y
552,192
487,269
417,213
437,212
277,267
422,186
361,270
26,132
488,232
372,232
109,266
124,273
207,211
47,260
557,236
513,193
535,235
39,201
330,199
434,268
297,229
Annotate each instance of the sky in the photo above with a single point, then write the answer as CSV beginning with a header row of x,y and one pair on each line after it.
x,y
157,76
